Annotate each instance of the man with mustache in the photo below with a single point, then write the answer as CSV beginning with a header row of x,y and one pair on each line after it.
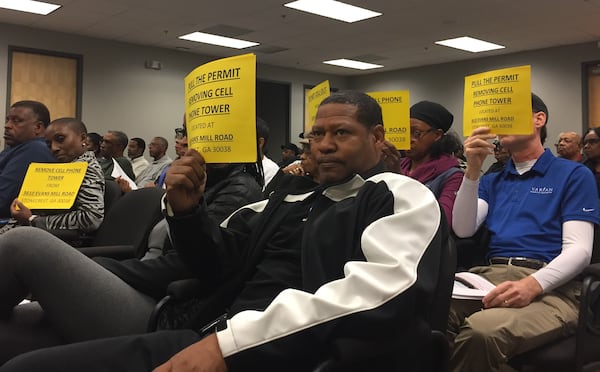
x,y
24,129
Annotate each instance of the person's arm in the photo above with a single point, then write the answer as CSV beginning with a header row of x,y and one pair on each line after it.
x,y
10,182
477,148
21,213
470,211
374,298
577,242
204,355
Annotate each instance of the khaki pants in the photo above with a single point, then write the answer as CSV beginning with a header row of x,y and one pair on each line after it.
x,y
486,339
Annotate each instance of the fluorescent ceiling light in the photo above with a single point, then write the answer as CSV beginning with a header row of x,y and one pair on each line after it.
x,y
29,6
470,44
202,37
352,64
333,9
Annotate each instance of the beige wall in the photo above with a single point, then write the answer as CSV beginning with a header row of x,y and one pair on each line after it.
x,y
119,93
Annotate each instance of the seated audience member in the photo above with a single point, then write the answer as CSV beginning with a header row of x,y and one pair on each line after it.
x,y
158,152
66,139
502,155
289,154
270,168
92,143
540,212
135,153
430,159
112,146
591,149
306,168
569,146
291,299
24,129
181,147
181,143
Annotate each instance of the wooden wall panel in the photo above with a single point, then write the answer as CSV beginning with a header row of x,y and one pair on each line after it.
x,y
593,76
51,80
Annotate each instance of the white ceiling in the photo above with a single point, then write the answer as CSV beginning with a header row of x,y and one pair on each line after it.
x,y
402,37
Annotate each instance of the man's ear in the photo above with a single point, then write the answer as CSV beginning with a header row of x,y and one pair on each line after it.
x,y
378,133
39,128
539,119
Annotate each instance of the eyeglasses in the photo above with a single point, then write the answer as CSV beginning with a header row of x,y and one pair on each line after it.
x,y
591,141
416,134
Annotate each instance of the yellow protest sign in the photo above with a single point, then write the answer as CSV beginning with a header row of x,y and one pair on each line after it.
x,y
220,107
500,100
395,108
313,99
52,185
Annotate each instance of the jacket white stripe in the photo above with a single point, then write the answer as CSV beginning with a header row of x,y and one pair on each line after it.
x,y
393,247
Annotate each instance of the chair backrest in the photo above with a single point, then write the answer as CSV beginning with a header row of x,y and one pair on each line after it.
x,y
596,245
112,192
131,219
443,294
441,266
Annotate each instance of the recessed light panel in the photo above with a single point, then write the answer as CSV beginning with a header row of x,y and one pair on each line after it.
x,y
333,9
29,6
469,44
201,37
358,65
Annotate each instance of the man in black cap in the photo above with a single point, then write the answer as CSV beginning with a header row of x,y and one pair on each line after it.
x,y
289,154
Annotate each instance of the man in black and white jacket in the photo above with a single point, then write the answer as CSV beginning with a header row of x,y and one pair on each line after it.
x,y
300,273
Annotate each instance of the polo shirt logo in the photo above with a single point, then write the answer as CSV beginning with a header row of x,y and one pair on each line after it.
x,y
541,190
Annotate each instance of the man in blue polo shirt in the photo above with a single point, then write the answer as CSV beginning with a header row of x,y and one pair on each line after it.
x,y
24,129
540,211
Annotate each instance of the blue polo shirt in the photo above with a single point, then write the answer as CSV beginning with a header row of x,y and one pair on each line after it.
x,y
526,212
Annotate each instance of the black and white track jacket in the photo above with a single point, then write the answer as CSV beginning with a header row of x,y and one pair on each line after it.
x,y
364,242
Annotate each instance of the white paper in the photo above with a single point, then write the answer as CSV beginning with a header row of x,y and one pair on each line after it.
x,y
119,172
480,286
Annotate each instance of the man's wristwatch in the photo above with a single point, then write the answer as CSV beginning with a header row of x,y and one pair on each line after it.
x,y
31,218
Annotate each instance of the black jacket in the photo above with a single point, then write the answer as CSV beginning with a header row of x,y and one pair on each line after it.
x,y
363,243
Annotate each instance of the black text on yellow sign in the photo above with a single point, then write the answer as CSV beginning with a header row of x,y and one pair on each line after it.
x,y
313,99
52,186
395,108
500,100
220,109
